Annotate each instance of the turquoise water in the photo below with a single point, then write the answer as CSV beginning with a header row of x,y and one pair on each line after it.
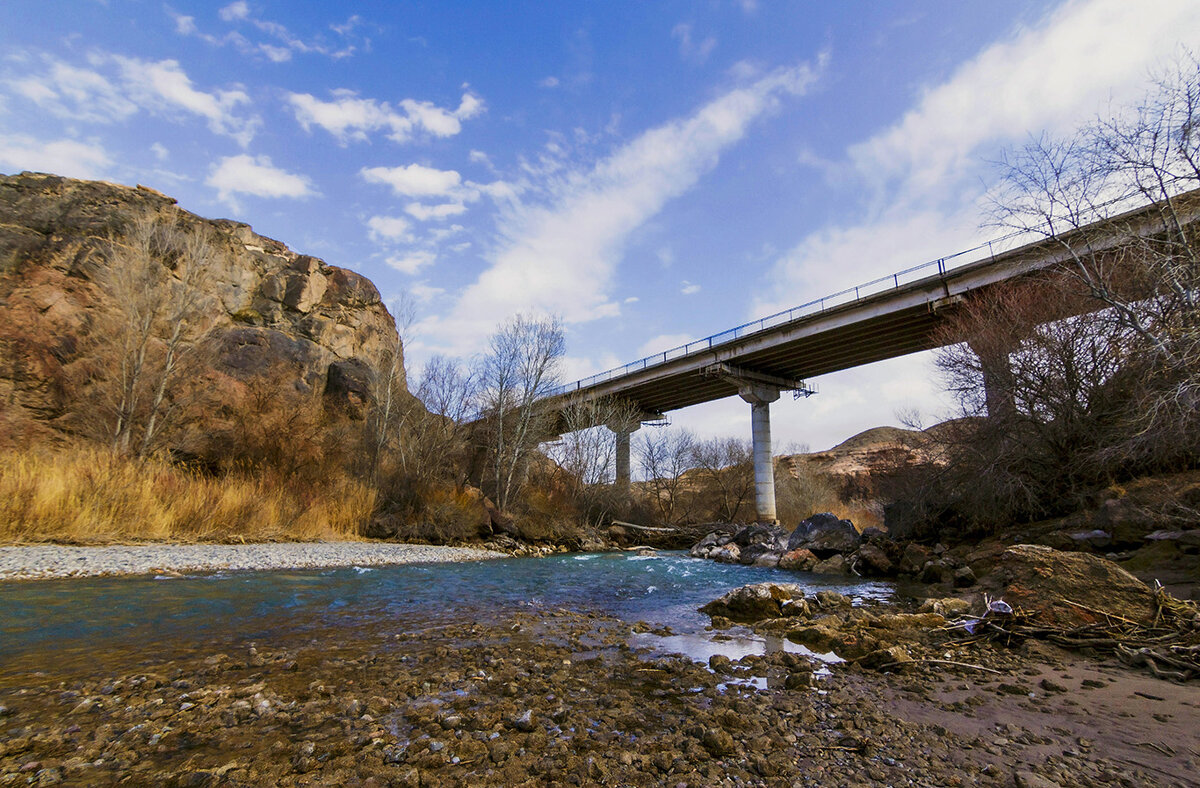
x,y
60,620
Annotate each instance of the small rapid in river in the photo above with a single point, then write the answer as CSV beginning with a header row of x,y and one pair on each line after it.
x,y
57,622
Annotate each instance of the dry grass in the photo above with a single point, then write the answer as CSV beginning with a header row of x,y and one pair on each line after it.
x,y
90,496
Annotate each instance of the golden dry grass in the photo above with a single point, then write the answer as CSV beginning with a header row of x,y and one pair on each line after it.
x,y
89,496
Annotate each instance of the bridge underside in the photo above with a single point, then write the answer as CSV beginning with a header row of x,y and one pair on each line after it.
x,y
863,342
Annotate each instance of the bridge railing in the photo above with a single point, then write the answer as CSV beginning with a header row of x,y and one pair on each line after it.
x,y
850,295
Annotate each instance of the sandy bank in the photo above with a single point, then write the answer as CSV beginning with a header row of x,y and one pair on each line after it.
x,y
48,561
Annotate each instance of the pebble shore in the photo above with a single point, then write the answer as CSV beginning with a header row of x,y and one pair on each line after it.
x,y
50,561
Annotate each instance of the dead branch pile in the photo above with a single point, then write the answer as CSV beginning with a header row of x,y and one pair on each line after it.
x,y
1169,647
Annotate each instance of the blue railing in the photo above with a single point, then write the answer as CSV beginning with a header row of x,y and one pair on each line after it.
x,y
848,296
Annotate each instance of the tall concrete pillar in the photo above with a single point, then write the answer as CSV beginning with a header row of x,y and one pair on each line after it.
x,y
624,472
760,397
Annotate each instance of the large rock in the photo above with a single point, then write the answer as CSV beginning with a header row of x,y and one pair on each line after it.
x,y
872,561
770,536
825,535
759,601
801,559
266,308
1069,589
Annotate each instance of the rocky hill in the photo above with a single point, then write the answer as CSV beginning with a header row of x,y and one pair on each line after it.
x,y
265,307
855,465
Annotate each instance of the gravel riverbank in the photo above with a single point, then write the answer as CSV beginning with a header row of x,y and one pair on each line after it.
x,y
49,561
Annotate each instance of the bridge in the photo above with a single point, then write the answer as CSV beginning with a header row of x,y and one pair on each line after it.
x,y
889,317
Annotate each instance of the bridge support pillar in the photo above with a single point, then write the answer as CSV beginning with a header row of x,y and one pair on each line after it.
x,y
624,472
760,397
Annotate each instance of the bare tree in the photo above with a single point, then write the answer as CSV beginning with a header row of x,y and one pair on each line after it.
x,y
723,466
433,442
664,458
518,372
155,277
586,451
389,386
1144,272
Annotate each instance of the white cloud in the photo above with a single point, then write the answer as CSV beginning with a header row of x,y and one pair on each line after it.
x,y
926,171
560,255
153,83
351,118
663,342
926,168
426,212
424,292
184,25
690,49
256,176
548,82
61,157
412,262
234,11
689,288
286,43
415,180
1048,77
129,86
388,228
160,151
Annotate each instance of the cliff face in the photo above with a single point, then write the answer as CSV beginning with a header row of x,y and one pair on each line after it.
x,y
265,307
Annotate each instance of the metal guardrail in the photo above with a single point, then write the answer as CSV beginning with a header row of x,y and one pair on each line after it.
x,y
850,295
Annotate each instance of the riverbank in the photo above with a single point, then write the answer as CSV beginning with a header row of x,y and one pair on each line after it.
x,y
559,697
56,561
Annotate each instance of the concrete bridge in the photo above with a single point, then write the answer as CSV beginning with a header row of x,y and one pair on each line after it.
x,y
889,317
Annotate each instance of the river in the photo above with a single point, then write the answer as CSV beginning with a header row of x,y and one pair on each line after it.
x,y
65,623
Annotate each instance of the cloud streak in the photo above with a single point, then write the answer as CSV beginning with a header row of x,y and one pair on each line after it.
x,y
559,254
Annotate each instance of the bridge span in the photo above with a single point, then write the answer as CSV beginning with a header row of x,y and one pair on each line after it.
x,y
892,316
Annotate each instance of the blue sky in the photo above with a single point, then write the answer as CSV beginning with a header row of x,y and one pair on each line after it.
x,y
652,172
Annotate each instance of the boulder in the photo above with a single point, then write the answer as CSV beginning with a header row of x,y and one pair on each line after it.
x,y
936,572
759,601
726,554
871,561
964,577
802,560
914,558
834,565
1069,589
825,535
949,607
771,536
714,539
769,559
750,554
1095,538
884,658
832,600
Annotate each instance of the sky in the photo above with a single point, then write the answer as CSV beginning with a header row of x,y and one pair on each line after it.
x,y
650,172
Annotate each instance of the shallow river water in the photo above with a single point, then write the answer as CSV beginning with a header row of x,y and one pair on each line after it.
x,y
58,623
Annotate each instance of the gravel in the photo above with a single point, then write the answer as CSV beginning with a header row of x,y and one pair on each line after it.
x,y
47,561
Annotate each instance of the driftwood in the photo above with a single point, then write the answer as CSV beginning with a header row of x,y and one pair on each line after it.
x,y
1169,647
649,528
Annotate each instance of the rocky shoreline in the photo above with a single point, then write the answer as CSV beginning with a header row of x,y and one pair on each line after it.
x,y
56,561
560,698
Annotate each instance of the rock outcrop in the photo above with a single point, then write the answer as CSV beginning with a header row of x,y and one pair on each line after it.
x,y
265,306
1069,589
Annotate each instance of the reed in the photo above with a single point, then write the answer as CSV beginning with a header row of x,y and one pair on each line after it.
x,y
91,496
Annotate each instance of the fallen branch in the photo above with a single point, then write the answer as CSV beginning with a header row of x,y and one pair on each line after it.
x,y
943,662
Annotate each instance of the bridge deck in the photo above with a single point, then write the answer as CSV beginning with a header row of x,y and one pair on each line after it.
x,y
864,328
